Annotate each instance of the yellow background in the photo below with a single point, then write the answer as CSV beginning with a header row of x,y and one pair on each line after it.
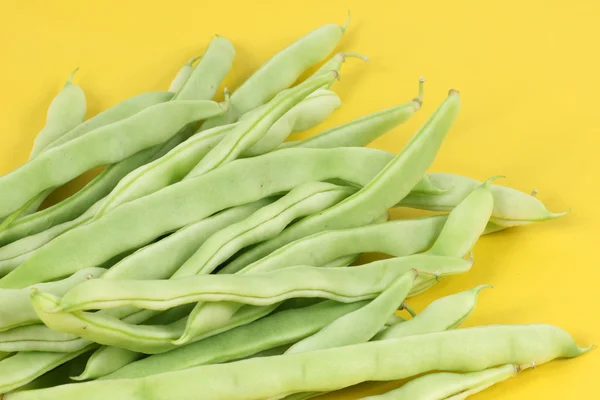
x,y
527,71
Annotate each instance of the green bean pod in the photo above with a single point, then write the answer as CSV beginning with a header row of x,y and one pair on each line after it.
x,y
445,313
40,338
161,260
511,207
105,361
280,72
250,130
183,75
140,221
105,145
66,111
361,325
313,110
362,131
204,79
305,199
20,312
464,350
392,184
278,329
24,367
448,385
354,284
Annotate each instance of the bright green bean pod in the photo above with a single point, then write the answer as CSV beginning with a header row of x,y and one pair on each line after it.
x,y
105,361
105,145
17,310
250,130
310,112
278,329
66,111
182,75
445,313
361,325
215,64
353,284
464,350
392,184
140,221
448,385
511,207
280,72
362,131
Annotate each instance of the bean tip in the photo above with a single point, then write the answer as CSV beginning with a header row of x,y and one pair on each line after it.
x,y
346,23
70,78
453,92
347,54
534,192
191,62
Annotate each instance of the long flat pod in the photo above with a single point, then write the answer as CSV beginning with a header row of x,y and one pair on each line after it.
x,y
105,145
340,284
280,72
274,330
140,221
472,349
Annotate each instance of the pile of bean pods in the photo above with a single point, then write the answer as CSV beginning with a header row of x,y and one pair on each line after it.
x,y
213,258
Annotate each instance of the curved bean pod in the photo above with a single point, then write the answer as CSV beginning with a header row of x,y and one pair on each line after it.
x,y
396,238
448,385
392,184
106,360
280,72
215,64
358,283
275,330
310,112
182,75
305,199
361,325
40,338
466,350
66,111
140,221
511,207
111,143
250,130
22,313
161,260
362,131
24,367
442,314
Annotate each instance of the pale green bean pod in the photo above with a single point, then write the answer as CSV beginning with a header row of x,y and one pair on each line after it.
x,y
442,314
361,325
183,75
340,284
450,386
465,350
140,221
251,129
105,145
105,361
17,310
275,330
66,111
280,72
512,207
392,184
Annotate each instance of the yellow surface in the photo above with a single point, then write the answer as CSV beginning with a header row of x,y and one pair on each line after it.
x,y
527,70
